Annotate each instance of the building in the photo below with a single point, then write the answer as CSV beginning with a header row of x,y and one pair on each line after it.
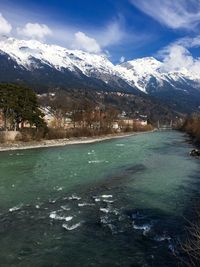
x,y
128,123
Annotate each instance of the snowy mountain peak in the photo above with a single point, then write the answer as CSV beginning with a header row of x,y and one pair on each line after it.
x,y
24,52
150,74
144,60
138,72
40,60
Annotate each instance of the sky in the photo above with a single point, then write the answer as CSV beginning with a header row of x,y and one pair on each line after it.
x,y
122,29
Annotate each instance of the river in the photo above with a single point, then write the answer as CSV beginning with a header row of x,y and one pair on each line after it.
x,y
121,202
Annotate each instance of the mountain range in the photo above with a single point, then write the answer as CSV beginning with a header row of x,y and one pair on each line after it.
x,y
45,67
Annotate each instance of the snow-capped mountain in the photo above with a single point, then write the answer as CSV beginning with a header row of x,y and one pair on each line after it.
x,y
25,52
138,72
180,88
57,63
50,66
148,74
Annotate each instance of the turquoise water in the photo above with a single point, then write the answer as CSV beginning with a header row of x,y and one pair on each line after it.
x,y
120,202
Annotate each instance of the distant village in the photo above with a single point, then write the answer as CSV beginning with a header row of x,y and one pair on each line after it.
x,y
64,115
56,118
66,122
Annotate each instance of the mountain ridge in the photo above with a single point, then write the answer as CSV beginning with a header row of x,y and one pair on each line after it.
x,y
51,66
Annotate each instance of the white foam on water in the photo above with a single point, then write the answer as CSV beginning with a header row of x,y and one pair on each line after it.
x,y
85,204
95,161
105,210
145,227
104,219
18,207
68,218
37,206
65,208
108,201
119,144
19,154
97,199
115,211
91,152
106,196
59,189
54,216
52,201
162,238
72,227
74,197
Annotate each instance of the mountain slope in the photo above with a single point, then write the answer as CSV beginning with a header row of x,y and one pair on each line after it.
x,y
46,67
180,89
54,66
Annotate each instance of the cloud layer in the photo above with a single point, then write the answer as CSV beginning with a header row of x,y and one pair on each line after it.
x,y
94,40
174,14
34,31
177,57
5,26
111,34
86,43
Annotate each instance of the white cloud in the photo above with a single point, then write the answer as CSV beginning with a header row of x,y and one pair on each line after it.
x,y
5,26
122,59
86,43
35,31
189,42
176,57
109,35
174,14
112,34
96,40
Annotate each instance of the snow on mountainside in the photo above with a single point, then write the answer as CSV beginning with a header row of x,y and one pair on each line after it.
x,y
44,66
142,72
23,52
61,66
138,72
145,74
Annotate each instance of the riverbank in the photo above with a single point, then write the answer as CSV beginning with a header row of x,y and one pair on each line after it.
x,y
192,127
64,142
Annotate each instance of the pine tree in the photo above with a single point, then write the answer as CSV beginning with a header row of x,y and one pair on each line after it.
x,y
18,104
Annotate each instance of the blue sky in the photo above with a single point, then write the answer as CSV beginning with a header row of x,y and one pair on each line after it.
x,y
123,29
